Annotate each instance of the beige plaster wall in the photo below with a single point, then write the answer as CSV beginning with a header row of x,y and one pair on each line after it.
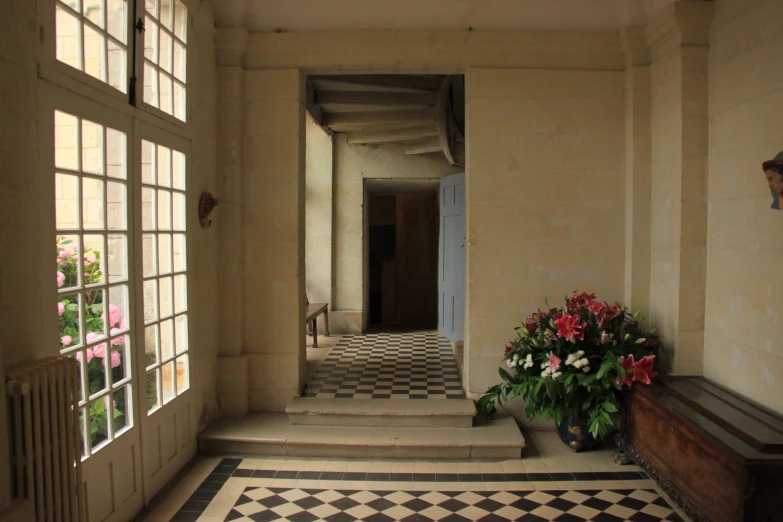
x,y
545,199
318,214
745,244
273,198
352,165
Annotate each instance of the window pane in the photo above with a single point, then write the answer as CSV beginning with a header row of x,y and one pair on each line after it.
x,y
92,147
96,368
152,390
68,308
164,253
165,93
118,309
69,38
179,253
117,259
116,154
166,14
151,345
180,294
167,381
94,315
180,21
150,300
166,339
118,61
178,170
152,7
66,141
68,262
66,189
166,298
118,19
164,210
93,11
179,61
99,428
150,40
165,52
178,209
148,162
116,206
123,416
183,374
150,248
94,53
179,101
164,166
92,204
181,331
119,349
148,206
94,265
150,85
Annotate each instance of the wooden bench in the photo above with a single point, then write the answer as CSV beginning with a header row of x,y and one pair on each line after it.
x,y
313,311
717,455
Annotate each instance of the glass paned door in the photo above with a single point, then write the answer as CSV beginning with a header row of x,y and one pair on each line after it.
x,y
91,211
167,417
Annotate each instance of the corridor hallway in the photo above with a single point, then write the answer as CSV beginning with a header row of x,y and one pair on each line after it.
x,y
399,366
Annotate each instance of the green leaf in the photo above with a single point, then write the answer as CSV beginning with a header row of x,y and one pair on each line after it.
x,y
505,375
611,408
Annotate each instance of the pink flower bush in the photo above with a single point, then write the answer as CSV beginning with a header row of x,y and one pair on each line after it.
x,y
66,340
60,279
89,353
60,309
115,315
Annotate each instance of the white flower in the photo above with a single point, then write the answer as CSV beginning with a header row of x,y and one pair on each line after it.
x,y
510,363
529,358
556,375
544,365
586,369
583,362
578,364
641,341
580,353
515,358
547,373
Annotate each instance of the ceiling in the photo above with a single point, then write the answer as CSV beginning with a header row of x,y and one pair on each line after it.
x,y
485,15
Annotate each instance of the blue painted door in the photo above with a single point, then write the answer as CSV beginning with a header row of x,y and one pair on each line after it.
x,y
451,260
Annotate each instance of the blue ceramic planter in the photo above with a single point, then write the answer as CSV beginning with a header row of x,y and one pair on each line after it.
x,y
573,432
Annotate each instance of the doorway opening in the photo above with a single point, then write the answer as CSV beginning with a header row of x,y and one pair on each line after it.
x,y
402,255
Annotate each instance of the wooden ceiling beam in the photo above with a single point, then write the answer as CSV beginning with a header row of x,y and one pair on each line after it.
x,y
349,121
376,98
416,132
427,146
395,81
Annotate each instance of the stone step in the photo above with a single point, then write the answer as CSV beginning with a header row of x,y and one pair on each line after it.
x,y
434,413
271,434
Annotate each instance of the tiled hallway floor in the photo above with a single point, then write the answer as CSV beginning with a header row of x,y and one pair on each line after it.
x,y
388,366
549,483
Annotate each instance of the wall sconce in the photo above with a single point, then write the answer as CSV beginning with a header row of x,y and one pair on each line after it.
x,y
206,204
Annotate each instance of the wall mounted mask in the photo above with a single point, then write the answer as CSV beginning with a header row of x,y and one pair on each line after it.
x,y
206,204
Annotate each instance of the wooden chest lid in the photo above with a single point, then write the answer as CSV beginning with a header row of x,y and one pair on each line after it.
x,y
758,427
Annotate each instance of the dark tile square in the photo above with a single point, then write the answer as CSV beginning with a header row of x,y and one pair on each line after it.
x,y
242,473
470,477
381,396
309,475
489,505
401,477
424,477
284,474
596,503
493,477
585,476
218,478
378,477
447,477
539,477
453,505
302,516
562,477
204,496
343,395
264,516
561,504
185,516
354,475
308,502
344,504
378,517
234,515
381,504
210,486
516,477
225,468
417,505
643,517
568,517
525,504
629,475
417,396
661,502
332,475
455,518
273,501
632,503
196,506
606,517
493,518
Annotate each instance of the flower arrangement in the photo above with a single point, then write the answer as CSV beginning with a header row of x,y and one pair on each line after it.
x,y
575,361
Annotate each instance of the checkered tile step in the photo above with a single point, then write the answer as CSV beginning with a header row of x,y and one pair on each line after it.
x,y
305,505
388,366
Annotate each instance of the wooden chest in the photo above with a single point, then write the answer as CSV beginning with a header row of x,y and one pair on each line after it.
x,y
718,456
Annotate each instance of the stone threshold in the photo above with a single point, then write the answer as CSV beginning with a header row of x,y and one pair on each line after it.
x,y
272,434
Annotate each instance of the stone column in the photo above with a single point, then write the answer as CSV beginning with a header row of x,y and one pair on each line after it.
x,y
273,215
232,374
679,42
637,168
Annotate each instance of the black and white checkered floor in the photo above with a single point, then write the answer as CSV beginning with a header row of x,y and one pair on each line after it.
x,y
388,366
268,494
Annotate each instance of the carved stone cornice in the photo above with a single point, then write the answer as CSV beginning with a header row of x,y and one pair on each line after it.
x,y
685,23
231,46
